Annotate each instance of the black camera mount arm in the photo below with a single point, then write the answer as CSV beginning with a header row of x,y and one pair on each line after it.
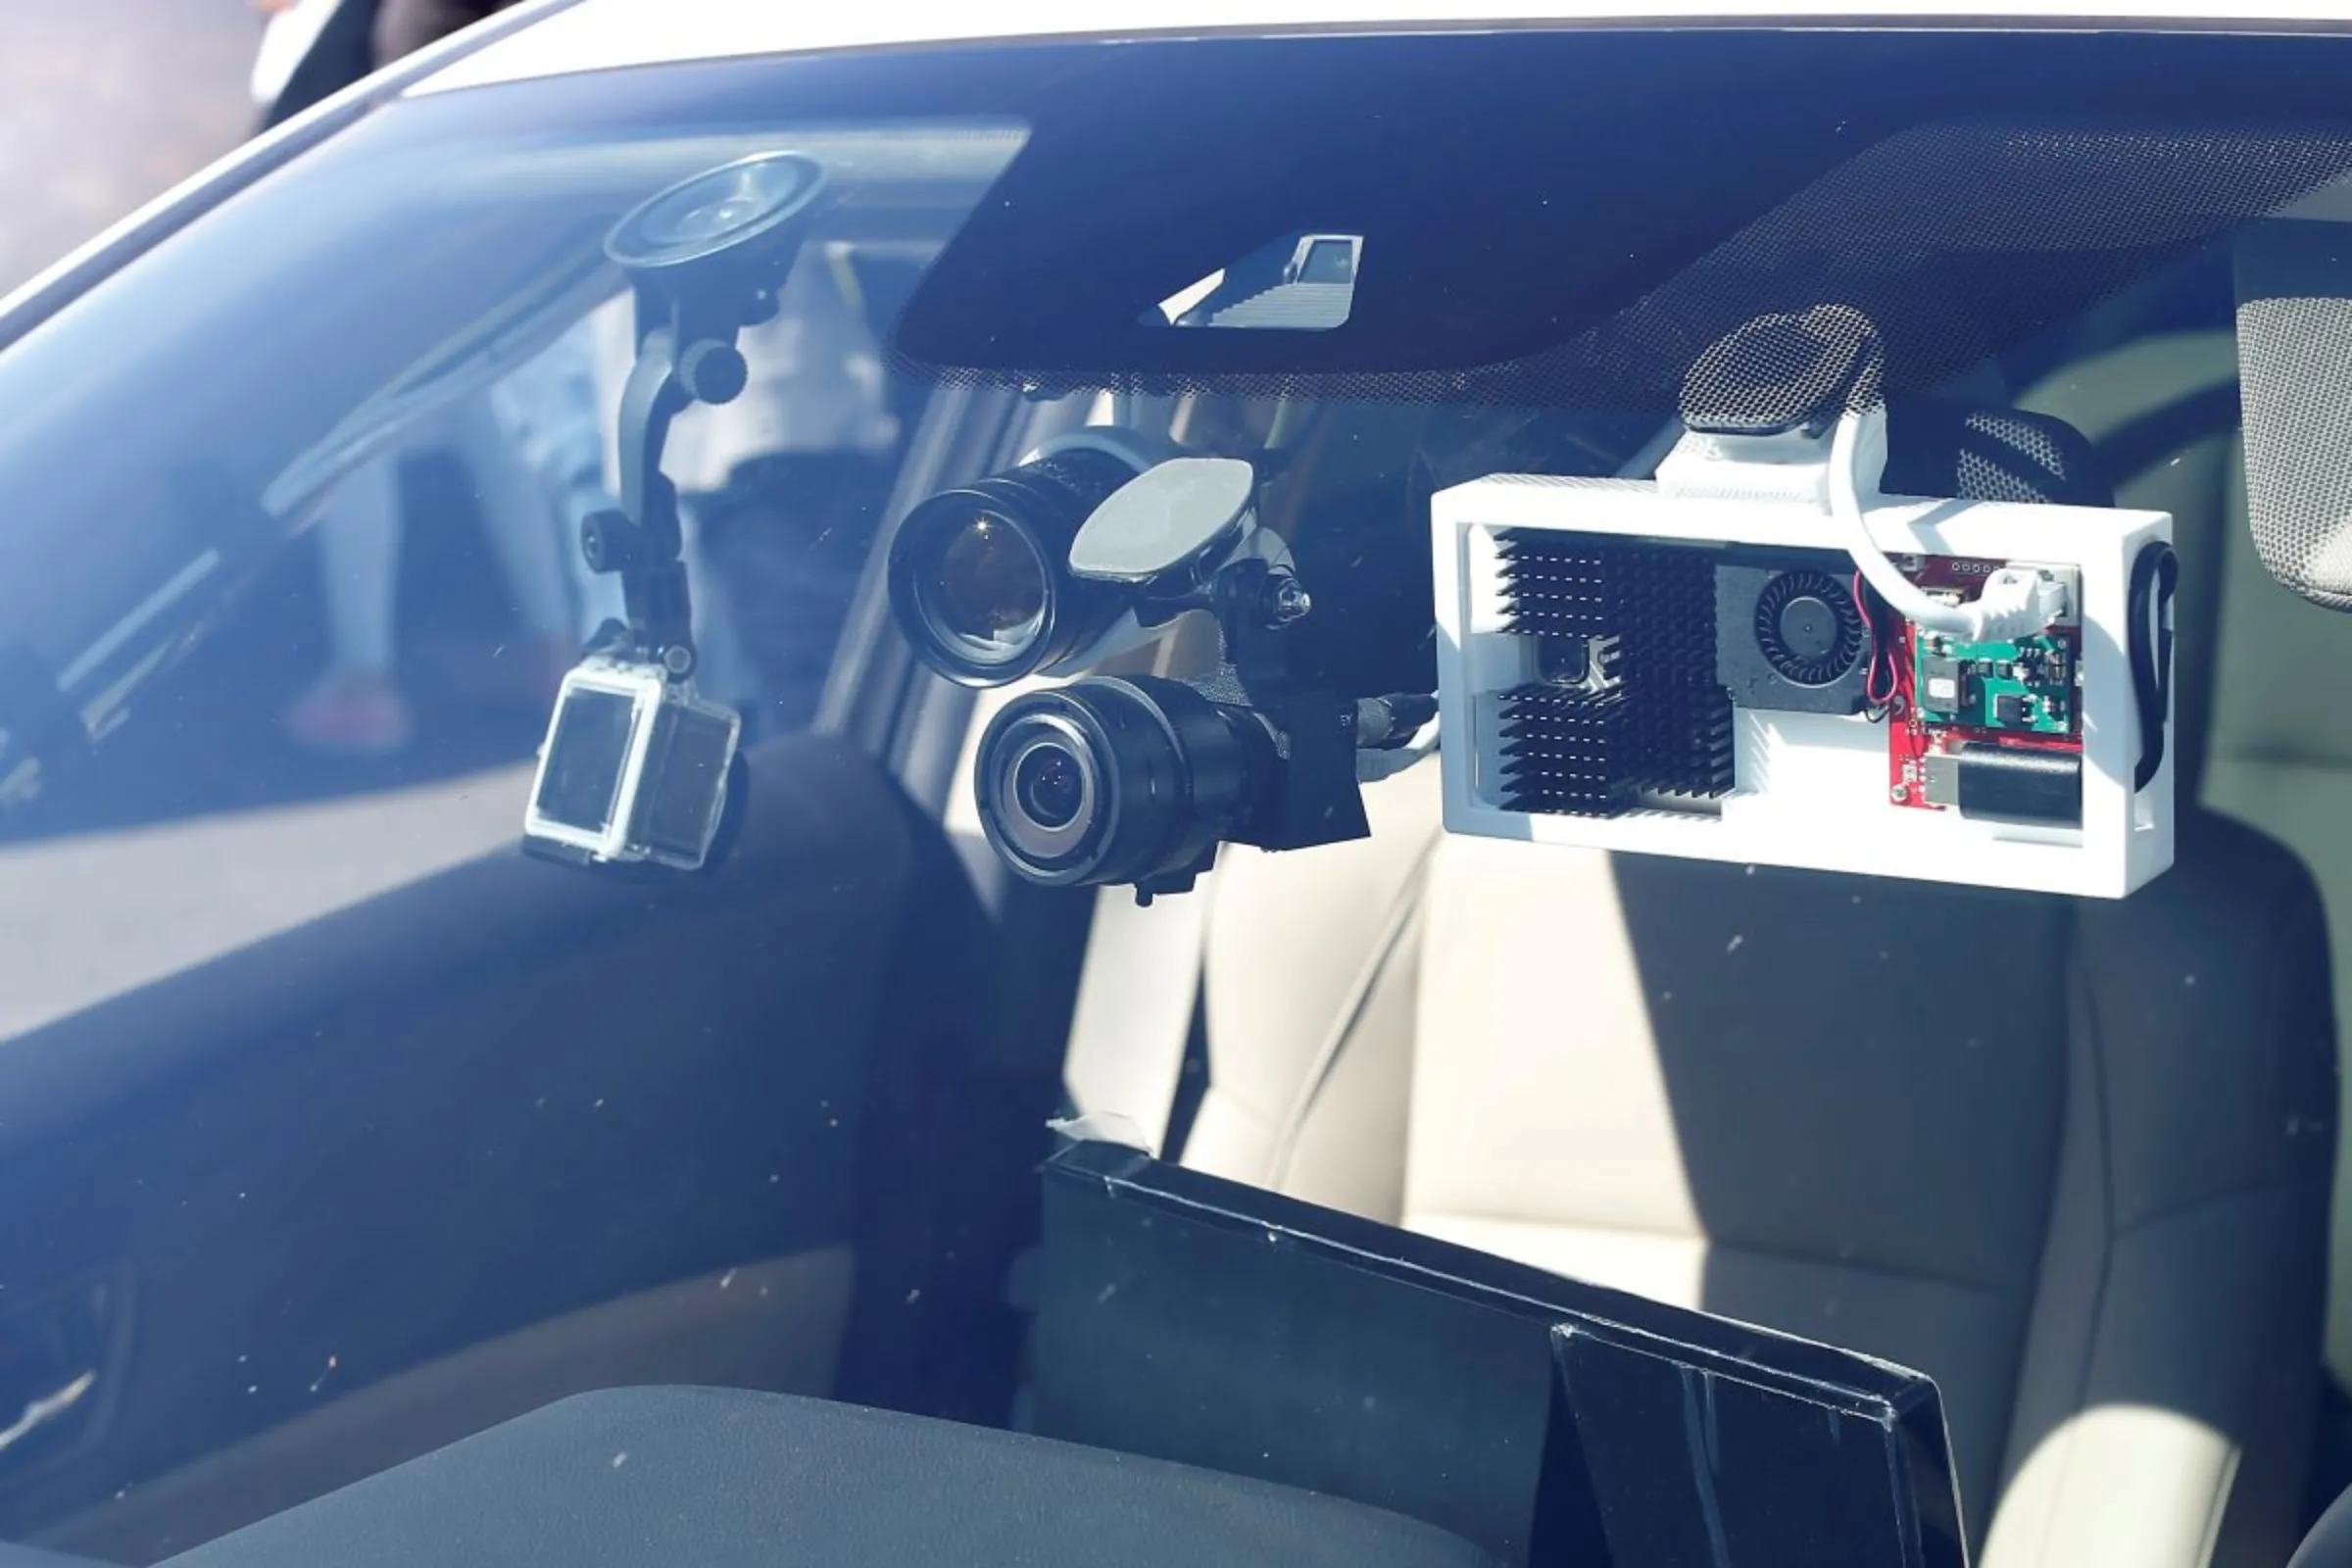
x,y
679,363
706,258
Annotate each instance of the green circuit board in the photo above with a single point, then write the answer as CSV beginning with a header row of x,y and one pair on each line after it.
x,y
2025,687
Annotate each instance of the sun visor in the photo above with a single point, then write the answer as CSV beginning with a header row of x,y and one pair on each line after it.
x,y
2294,346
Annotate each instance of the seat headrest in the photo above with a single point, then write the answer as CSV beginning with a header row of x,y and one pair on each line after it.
x,y
1979,454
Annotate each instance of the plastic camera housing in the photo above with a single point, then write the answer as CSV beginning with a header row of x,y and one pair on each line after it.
x,y
634,768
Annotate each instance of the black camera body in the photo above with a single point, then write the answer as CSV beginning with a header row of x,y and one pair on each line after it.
x,y
1135,779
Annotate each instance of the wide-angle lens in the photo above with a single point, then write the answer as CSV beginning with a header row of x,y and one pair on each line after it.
x,y
1051,786
1110,780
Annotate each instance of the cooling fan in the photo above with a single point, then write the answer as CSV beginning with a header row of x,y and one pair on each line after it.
x,y
1807,627
1788,634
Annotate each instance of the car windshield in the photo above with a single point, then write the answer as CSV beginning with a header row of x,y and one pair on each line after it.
x,y
292,579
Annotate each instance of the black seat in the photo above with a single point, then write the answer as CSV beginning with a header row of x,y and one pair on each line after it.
x,y
662,1478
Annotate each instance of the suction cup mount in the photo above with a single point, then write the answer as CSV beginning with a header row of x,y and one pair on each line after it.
x,y
706,258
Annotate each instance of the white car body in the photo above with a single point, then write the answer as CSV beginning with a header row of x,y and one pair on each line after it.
x,y
600,34
556,37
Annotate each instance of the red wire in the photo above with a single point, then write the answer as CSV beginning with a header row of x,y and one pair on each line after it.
x,y
1882,651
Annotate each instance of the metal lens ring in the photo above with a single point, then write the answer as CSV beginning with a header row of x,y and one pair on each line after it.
x,y
1044,797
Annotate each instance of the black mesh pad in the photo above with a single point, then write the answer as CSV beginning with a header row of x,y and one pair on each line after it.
x,y
1784,369
1947,449
668,1478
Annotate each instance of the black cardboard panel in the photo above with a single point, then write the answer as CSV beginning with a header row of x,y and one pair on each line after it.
x,y
1190,1318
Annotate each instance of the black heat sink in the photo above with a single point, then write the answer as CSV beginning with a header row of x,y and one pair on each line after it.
x,y
1592,754
1567,751
1657,599
1667,728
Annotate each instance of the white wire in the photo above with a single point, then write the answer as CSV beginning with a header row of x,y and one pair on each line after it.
x,y
2014,602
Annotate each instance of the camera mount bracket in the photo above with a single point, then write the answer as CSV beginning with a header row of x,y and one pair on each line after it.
x,y
706,258
638,771
677,366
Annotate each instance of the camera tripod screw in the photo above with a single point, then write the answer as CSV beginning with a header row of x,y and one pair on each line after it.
x,y
1287,602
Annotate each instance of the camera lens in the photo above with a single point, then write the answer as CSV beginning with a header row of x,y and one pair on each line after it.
x,y
1051,785
1115,780
988,597
979,579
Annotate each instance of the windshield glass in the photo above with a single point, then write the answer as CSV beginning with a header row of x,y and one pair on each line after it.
x,y
354,496
1053,518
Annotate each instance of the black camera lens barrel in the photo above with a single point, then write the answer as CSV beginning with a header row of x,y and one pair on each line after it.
x,y
1108,780
968,563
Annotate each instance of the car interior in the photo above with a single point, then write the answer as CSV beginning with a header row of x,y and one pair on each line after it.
x,y
2100,1310
493,1215
1369,1012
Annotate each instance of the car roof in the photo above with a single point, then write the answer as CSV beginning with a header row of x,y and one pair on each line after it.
x,y
600,34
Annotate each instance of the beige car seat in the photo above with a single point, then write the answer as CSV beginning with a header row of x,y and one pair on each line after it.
x,y
2070,1158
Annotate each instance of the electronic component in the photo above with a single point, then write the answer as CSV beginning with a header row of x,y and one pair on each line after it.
x,y
1048,567
1110,780
981,575
2038,784
1943,686
2026,685
635,768
1576,662
1788,634
2005,754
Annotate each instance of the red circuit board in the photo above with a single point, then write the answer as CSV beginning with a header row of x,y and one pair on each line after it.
x,y
1911,737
